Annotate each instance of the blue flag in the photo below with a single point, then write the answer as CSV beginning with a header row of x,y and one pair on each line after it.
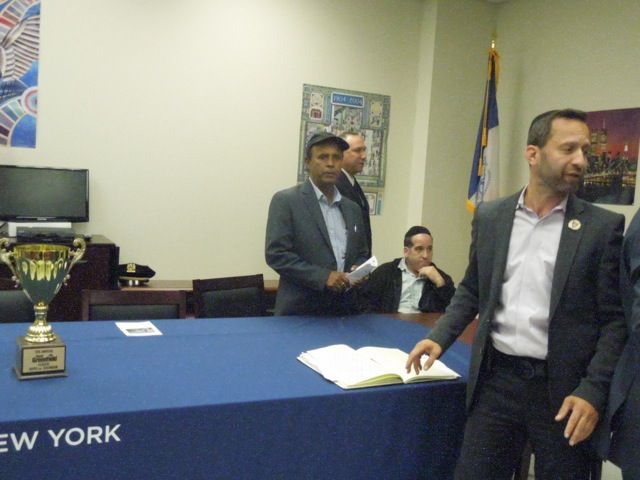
x,y
483,180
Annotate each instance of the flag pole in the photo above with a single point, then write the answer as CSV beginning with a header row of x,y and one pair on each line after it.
x,y
483,179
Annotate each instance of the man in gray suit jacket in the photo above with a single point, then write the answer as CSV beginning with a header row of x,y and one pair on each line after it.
x,y
623,410
315,235
543,280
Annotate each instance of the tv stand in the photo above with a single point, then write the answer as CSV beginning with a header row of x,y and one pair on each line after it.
x,y
12,227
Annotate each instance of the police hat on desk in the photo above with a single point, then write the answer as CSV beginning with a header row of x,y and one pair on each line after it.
x,y
133,274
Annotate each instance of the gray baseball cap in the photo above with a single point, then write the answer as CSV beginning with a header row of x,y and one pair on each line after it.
x,y
325,137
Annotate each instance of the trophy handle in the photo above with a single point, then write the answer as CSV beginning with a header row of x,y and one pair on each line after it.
x,y
7,258
78,253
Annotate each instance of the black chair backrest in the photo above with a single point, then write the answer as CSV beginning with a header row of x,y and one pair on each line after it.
x,y
15,306
133,304
241,296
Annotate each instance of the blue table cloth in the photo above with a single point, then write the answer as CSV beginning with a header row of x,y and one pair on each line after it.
x,y
225,398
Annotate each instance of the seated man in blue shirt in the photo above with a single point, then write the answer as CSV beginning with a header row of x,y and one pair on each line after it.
x,y
410,284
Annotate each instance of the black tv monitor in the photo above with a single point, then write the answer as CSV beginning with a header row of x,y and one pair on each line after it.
x,y
36,194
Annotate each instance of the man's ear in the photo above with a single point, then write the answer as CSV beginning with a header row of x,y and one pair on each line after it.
x,y
532,154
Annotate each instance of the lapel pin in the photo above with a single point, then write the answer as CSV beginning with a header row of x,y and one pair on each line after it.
x,y
574,224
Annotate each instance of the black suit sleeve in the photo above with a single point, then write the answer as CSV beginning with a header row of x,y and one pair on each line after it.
x,y
594,386
436,299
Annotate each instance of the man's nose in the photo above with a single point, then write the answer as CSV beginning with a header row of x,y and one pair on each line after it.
x,y
581,160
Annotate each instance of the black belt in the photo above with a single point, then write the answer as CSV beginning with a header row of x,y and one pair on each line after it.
x,y
525,367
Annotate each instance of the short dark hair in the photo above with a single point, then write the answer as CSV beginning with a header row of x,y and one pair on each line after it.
x,y
415,230
540,128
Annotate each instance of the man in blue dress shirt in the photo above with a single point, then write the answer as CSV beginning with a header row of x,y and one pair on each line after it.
x,y
315,235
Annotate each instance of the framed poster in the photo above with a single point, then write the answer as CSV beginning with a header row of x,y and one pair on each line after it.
x,y
613,157
340,110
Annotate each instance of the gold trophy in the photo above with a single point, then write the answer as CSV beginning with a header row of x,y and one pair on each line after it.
x,y
41,269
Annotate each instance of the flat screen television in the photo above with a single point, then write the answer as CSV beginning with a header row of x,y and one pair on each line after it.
x,y
36,194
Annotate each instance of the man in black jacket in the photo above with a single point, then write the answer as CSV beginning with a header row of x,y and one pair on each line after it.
x,y
353,161
410,284
542,280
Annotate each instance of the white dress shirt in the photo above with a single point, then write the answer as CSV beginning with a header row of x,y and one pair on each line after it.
x,y
412,286
521,323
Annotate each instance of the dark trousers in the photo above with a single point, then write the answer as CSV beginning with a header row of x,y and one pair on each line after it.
x,y
508,410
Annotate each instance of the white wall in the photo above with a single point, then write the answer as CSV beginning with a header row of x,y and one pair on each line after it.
x,y
571,53
462,40
187,114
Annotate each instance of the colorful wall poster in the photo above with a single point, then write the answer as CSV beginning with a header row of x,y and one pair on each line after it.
x,y
19,54
339,110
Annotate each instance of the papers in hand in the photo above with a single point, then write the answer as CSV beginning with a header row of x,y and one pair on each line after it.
x,y
363,270
138,329
369,366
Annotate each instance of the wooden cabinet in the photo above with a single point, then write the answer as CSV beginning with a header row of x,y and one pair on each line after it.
x,y
97,270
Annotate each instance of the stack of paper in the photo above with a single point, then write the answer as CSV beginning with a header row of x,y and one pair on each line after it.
x,y
363,270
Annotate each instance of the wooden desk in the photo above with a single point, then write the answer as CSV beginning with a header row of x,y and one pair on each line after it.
x,y
270,286
270,291
430,319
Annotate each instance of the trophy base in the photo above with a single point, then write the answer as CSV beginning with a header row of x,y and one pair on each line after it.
x,y
40,360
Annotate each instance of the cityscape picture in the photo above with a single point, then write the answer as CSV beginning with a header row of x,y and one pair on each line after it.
x,y
613,156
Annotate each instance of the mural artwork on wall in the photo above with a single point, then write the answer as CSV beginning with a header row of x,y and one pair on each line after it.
x,y
19,51
339,110
613,156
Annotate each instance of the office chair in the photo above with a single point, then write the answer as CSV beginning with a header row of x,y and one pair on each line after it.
x,y
241,296
133,304
15,306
